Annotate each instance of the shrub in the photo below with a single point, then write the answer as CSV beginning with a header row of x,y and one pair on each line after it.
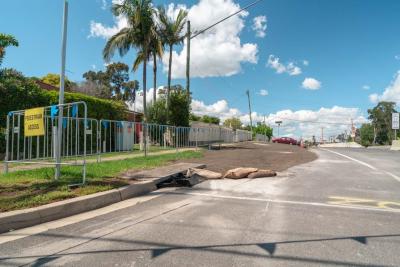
x,y
179,112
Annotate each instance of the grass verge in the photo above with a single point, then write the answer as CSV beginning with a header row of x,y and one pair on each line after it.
x,y
25,189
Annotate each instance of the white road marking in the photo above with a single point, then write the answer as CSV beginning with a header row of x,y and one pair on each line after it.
x,y
353,159
316,204
397,178
40,228
394,176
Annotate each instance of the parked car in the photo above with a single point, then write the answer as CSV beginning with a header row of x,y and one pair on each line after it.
x,y
285,140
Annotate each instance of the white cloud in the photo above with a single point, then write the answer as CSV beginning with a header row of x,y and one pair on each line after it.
x,y
93,66
219,51
97,29
366,87
291,68
260,26
218,109
311,84
374,98
305,123
391,93
104,4
263,92
397,57
139,99
306,62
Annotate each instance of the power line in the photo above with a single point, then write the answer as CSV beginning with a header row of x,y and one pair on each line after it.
x,y
231,15
316,122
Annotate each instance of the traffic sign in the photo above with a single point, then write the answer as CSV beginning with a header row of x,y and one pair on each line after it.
x,y
395,121
34,122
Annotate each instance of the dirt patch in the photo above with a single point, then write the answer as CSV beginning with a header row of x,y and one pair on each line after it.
x,y
277,157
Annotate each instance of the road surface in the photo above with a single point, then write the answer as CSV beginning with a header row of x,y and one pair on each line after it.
x,y
342,209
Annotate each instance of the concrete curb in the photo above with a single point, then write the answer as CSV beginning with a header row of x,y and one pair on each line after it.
x,y
17,219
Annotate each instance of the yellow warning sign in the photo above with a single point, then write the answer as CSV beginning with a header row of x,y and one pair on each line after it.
x,y
34,122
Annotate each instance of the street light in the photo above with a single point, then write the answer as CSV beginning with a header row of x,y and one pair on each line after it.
x,y
279,124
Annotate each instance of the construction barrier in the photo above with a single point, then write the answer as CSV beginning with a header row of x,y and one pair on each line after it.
x,y
32,135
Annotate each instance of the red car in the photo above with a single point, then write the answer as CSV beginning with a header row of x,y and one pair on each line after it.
x,y
285,140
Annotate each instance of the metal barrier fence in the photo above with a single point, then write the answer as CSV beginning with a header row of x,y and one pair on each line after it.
x,y
242,135
31,135
82,136
261,138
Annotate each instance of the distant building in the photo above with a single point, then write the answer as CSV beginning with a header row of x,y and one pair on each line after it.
x,y
46,86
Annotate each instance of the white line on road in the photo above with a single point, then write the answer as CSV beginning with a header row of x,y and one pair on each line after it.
x,y
397,178
394,176
353,159
316,204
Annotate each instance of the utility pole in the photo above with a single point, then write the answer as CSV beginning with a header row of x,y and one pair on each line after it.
x,y
265,132
61,93
279,124
188,60
322,135
251,121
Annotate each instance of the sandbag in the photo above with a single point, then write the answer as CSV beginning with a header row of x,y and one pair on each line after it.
x,y
203,173
239,173
262,173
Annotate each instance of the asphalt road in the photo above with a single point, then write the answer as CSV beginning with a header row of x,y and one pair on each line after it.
x,y
342,209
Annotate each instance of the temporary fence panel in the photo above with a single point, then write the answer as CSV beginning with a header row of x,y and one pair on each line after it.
x,y
262,138
31,135
117,136
242,135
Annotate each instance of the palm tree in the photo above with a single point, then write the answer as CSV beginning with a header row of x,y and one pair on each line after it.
x,y
156,50
170,30
137,34
5,41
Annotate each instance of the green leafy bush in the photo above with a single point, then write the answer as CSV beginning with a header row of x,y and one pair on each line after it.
x,y
179,112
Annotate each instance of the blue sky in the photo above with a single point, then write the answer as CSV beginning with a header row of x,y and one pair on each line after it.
x,y
352,48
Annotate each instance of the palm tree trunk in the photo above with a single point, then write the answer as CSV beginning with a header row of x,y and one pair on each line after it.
x,y
169,79
144,90
154,77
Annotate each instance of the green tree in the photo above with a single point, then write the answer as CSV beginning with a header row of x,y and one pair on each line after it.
x,y
54,79
97,84
157,112
210,119
137,34
178,113
170,30
17,93
233,123
118,75
179,109
263,129
381,118
130,89
194,117
156,51
367,134
6,40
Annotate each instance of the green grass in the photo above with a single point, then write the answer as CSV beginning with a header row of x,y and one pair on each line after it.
x,y
24,189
